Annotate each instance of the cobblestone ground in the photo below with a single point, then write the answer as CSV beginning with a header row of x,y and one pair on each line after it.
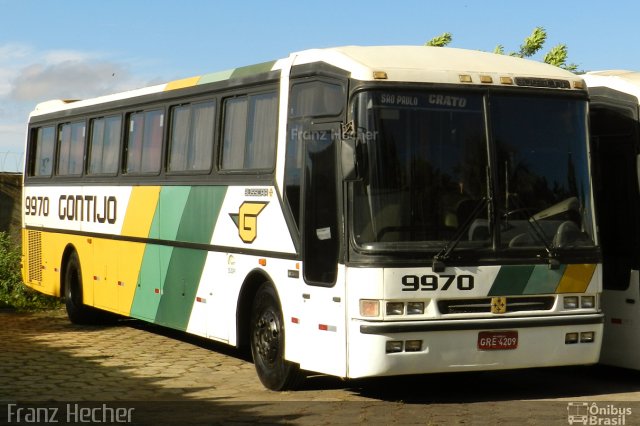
x,y
171,378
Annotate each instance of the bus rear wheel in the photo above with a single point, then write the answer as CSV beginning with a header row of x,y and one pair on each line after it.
x,y
77,311
267,343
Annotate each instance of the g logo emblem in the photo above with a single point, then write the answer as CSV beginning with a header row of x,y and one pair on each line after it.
x,y
246,220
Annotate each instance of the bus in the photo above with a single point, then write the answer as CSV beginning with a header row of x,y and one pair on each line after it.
x,y
351,211
615,136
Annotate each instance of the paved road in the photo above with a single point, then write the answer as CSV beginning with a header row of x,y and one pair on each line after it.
x,y
137,373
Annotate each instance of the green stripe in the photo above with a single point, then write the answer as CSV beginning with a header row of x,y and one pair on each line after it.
x,y
252,70
200,214
171,206
511,280
152,274
544,280
180,287
186,214
215,77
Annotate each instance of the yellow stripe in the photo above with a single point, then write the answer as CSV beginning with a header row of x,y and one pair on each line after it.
x,y
140,212
576,278
142,206
180,84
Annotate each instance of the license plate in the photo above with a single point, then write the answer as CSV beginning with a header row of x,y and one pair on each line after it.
x,y
497,340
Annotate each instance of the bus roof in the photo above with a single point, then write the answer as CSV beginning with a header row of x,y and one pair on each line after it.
x,y
382,63
620,80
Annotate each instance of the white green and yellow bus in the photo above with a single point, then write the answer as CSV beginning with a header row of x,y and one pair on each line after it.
x,y
615,135
353,211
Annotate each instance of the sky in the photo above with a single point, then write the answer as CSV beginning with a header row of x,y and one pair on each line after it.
x,y
78,49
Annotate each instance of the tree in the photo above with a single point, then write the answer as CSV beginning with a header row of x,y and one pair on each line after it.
x,y
532,44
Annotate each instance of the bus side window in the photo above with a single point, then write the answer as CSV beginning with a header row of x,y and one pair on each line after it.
x,y
249,134
71,138
308,99
41,151
191,137
104,147
144,142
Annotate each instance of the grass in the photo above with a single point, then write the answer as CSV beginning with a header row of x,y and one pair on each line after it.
x,y
13,292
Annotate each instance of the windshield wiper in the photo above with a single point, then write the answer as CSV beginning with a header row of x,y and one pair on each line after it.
x,y
438,264
552,256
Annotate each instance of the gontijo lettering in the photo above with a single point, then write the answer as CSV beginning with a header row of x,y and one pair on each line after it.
x,y
88,208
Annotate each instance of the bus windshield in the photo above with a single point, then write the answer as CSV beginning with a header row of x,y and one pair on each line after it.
x,y
431,176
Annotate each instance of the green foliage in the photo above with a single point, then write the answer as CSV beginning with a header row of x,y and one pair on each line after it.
x,y
558,56
532,44
13,292
440,41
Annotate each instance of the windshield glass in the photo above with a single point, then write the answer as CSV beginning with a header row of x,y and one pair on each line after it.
x,y
426,174
543,174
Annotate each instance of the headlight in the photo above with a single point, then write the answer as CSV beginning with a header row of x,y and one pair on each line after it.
x,y
395,308
588,302
571,302
415,308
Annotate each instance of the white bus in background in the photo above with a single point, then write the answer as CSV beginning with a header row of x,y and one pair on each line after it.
x,y
353,211
614,113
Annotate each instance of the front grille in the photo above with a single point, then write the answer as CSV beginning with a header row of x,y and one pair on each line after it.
x,y
483,305
35,256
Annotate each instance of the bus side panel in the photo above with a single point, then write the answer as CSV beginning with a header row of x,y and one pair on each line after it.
x,y
321,332
621,345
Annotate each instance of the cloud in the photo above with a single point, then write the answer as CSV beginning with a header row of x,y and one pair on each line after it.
x,y
70,79
29,76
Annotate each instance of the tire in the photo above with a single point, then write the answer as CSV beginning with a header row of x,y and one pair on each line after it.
x,y
77,311
267,343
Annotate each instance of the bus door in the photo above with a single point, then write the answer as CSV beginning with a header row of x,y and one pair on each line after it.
x,y
614,135
324,291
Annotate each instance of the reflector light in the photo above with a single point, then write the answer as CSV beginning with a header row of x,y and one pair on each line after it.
x,y
262,262
295,320
393,347
571,338
395,308
369,308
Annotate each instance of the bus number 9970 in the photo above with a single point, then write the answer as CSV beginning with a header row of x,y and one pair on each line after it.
x,y
436,282
36,206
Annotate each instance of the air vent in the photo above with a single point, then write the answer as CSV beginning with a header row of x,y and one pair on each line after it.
x,y
35,256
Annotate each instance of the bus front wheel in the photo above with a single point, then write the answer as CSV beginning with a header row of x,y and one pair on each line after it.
x,y
267,343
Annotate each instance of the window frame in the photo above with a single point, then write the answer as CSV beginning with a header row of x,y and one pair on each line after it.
x,y
126,138
190,103
249,95
119,150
